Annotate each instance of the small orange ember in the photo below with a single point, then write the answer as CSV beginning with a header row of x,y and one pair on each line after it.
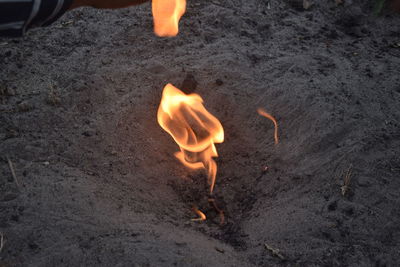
x,y
202,216
193,128
166,14
263,113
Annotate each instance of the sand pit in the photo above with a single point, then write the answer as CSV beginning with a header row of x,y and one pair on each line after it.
x,y
97,182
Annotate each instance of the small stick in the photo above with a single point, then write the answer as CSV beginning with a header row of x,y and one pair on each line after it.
x,y
11,166
1,241
274,251
347,180
211,200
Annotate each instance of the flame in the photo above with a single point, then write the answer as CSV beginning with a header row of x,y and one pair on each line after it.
x,y
202,216
193,128
166,14
265,114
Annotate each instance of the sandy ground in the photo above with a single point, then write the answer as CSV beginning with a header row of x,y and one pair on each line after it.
x,y
98,185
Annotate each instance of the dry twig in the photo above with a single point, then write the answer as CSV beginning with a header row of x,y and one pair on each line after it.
x,y
275,252
1,242
220,250
211,201
11,166
347,180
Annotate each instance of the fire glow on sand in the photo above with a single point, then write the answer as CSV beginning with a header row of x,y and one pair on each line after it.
x,y
184,117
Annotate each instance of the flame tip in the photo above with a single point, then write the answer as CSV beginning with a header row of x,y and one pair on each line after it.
x,y
166,16
265,114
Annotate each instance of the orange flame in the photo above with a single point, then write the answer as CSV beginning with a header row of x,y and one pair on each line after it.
x,y
193,128
166,14
202,216
263,113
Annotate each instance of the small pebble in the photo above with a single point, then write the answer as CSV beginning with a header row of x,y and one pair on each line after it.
x,y
189,85
24,106
9,197
87,133
10,91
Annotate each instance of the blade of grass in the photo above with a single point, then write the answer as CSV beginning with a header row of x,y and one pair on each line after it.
x,y
379,4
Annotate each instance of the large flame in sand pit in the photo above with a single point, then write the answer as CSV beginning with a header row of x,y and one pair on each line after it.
x,y
166,14
193,128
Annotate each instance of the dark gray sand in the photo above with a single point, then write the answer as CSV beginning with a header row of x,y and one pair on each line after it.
x,y
98,185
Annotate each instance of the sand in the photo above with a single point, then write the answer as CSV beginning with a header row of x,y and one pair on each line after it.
x,y
98,183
